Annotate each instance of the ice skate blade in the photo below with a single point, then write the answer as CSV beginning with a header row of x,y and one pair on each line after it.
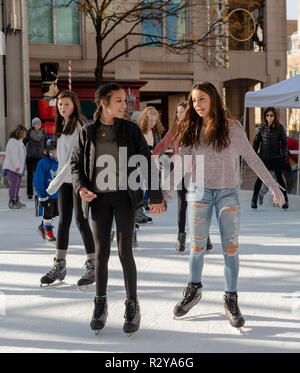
x,y
89,287
98,332
180,253
53,285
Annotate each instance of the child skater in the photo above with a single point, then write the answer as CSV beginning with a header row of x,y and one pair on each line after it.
x,y
45,172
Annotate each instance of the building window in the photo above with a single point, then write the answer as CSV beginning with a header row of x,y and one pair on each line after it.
x,y
172,27
53,21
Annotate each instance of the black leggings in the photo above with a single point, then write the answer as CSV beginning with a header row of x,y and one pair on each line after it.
x,y
273,164
103,208
182,206
67,201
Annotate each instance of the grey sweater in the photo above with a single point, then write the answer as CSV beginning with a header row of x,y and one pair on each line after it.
x,y
221,168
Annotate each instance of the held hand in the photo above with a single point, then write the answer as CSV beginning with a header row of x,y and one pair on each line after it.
x,y
157,208
87,195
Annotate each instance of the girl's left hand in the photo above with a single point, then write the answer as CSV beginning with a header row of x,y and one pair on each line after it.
x,y
157,208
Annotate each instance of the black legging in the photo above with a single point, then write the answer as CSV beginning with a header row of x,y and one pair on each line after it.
x,y
182,206
31,166
273,164
103,208
67,201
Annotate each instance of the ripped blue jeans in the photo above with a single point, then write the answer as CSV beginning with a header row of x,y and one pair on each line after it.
x,y
200,207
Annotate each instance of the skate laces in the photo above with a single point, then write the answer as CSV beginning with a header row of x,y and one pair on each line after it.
x,y
188,295
232,306
130,310
89,269
55,268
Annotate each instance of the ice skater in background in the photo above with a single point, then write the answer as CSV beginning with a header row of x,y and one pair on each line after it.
x,y
159,149
14,165
45,172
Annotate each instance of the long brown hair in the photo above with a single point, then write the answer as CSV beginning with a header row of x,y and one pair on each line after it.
x,y
188,129
18,132
276,122
143,120
76,116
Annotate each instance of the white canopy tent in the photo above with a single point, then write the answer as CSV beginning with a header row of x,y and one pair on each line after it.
x,y
285,94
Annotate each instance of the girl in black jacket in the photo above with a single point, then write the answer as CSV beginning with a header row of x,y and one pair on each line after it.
x,y
272,145
104,179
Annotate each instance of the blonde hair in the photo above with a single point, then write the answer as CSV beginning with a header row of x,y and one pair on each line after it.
x,y
143,120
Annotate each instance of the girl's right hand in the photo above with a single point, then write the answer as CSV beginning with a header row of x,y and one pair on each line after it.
x,y
86,194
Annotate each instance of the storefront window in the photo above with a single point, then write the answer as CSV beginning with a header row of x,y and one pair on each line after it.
x,y
40,21
53,21
172,27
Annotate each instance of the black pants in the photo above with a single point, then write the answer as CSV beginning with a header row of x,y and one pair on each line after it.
x,y
103,209
273,164
31,166
51,211
182,206
67,201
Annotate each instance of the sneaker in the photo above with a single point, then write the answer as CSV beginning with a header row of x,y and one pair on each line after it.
x,y
180,244
41,230
89,274
57,272
99,314
13,204
49,235
191,296
232,310
132,316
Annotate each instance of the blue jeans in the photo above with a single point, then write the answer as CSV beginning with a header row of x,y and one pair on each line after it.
x,y
200,207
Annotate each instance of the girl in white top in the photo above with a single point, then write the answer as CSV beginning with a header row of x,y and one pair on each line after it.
x,y
14,165
67,125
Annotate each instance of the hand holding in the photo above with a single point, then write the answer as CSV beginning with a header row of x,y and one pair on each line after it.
x,y
86,194
157,208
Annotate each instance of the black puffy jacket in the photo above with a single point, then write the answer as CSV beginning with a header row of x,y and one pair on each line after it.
x,y
270,143
128,135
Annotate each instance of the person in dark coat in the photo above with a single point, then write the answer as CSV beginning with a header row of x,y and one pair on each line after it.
x,y
271,145
35,142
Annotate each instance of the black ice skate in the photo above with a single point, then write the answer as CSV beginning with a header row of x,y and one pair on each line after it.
x,y
232,310
132,317
180,244
191,296
88,277
99,314
57,272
